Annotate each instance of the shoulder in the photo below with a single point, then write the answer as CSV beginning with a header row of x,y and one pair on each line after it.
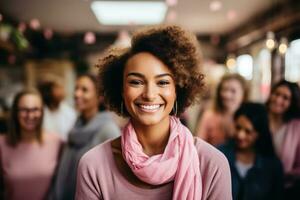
x,y
294,123
293,128
50,137
211,116
97,155
209,156
3,140
209,113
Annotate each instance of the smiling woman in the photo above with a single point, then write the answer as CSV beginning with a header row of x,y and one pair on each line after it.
x,y
28,154
156,157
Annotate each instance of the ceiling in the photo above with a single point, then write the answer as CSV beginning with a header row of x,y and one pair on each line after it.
x,y
76,16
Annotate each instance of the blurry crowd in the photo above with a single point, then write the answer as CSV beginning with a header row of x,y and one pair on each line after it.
x,y
46,137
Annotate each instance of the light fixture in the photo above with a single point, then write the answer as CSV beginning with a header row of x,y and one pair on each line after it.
x,y
123,40
171,2
231,62
231,15
89,38
283,45
34,24
270,42
215,5
129,12
171,16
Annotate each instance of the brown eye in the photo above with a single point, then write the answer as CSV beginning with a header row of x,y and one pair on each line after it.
x,y
135,82
163,82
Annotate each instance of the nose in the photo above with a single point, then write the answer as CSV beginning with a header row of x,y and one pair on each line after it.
x,y
150,92
77,93
240,134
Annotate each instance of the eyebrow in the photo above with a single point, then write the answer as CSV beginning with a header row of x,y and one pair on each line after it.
x,y
142,76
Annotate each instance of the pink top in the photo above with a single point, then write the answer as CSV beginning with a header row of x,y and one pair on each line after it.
x,y
290,149
99,178
28,168
213,128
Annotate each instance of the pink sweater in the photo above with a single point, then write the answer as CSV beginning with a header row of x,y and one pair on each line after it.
x,y
290,150
28,168
213,128
99,178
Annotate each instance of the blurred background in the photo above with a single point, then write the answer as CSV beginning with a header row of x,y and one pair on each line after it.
x,y
258,39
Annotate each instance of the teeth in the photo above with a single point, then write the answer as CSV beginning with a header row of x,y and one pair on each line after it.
x,y
150,107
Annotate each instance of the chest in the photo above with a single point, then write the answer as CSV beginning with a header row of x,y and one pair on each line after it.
x,y
24,164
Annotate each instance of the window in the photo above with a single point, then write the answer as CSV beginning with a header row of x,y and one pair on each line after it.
x,y
292,62
244,65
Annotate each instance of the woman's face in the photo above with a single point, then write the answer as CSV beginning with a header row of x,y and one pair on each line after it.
x,y
231,94
245,134
85,96
280,100
29,112
149,90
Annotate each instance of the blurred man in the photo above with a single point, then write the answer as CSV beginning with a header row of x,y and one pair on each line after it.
x,y
59,117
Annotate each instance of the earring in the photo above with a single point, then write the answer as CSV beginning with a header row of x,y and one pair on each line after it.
x,y
122,108
175,108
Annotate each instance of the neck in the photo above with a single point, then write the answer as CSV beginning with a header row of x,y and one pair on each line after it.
x,y
54,106
89,114
153,138
27,136
276,121
228,112
246,156
275,118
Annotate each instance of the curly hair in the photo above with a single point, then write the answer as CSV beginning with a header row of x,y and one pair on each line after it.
x,y
175,47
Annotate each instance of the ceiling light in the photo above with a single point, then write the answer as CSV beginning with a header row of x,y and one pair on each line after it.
x,y
270,42
171,16
231,15
283,46
89,38
215,5
129,12
171,2
35,24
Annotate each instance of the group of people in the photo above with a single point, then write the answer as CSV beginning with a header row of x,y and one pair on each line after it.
x,y
261,142
155,156
37,160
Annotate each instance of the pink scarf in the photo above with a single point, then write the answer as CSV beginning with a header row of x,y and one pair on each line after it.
x,y
179,162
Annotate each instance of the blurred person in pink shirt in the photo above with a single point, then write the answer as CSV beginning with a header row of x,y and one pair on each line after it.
x,y
284,119
156,156
28,154
216,124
